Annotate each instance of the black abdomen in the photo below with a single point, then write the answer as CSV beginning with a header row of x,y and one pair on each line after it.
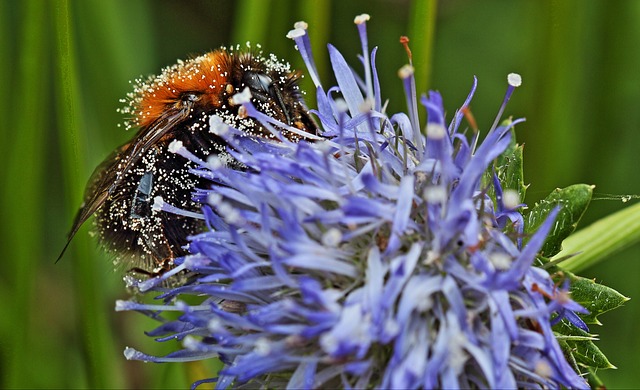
x,y
127,223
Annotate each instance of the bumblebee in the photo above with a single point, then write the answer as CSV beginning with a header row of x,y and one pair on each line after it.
x,y
177,105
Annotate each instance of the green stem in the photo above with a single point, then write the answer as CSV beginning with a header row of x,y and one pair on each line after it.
x,y
601,239
23,209
422,30
96,336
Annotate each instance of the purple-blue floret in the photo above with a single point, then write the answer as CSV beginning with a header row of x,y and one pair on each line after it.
x,y
373,258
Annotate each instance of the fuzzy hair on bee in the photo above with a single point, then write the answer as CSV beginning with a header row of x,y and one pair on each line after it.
x,y
177,105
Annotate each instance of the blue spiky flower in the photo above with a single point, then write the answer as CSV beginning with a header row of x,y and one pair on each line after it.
x,y
377,257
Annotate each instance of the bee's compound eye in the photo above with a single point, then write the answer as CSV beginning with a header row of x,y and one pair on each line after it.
x,y
259,84
265,81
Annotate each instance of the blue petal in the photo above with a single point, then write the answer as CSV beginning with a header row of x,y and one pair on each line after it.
x,y
346,81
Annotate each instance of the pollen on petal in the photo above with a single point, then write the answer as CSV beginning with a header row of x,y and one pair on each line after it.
x,y
362,18
514,79
511,199
296,33
405,72
242,97
436,131
301,24
175,146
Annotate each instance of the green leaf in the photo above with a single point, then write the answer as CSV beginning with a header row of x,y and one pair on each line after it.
x,y
586,353
594,380
573,201
601,239
23,180
508,168
509,171
578,345
97,338
595,297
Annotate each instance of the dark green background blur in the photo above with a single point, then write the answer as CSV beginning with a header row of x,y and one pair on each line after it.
x,y
65,64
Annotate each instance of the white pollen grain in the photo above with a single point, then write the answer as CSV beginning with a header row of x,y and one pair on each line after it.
x,y
514,79
361,18
175,146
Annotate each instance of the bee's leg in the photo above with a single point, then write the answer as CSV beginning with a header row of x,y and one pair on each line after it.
x,y
161,255
141,271
162,265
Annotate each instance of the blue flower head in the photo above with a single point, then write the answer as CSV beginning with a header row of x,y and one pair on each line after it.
x,y
372,257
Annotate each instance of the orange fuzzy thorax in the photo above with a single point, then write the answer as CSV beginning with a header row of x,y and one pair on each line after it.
x,y
206,74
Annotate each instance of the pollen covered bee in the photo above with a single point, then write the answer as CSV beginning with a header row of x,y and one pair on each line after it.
x,y
177,105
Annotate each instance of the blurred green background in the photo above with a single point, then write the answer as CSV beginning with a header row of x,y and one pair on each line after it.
x,y
65,64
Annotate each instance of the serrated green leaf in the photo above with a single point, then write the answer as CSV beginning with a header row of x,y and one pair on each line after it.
x,y
579,346
588,354
510,171
509,168
585,354
595,297
601,239
573,201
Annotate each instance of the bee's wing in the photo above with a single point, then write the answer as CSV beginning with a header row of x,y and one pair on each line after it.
x,y
107,177
146,139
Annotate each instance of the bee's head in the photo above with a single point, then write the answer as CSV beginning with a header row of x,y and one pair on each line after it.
x,y
206,84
